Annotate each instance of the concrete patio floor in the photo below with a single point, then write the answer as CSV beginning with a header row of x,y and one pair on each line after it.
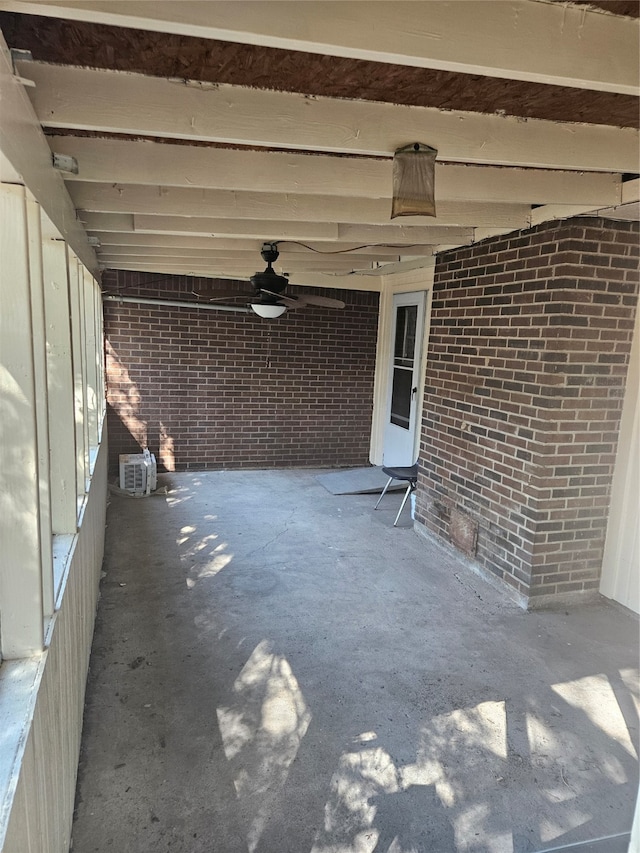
x,y
276,669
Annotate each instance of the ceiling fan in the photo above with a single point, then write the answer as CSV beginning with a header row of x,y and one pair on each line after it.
x,y
270,299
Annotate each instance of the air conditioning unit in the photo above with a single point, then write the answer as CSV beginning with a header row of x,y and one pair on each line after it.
x,y
138,473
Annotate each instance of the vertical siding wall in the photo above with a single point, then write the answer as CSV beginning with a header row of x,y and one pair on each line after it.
x,y
53,463
207,389
42,811
528,354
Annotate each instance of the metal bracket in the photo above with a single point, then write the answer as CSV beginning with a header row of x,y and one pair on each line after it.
x,y
18,55
64,163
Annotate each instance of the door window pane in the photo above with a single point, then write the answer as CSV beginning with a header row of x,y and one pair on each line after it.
x,y
406,319
403,352
401,397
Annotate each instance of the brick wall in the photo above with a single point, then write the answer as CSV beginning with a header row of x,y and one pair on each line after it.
x,y
208,389
528,353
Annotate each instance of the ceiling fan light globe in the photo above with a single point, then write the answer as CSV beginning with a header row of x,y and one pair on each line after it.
x,y
269,312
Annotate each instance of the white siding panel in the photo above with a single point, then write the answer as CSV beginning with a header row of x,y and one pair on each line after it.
x,y
41,398
61,387
41,816
21,631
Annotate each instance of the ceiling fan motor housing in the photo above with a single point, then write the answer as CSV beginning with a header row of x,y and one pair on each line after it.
x,y
269,280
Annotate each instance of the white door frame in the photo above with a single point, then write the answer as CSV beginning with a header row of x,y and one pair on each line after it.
x,y
619,579
407,282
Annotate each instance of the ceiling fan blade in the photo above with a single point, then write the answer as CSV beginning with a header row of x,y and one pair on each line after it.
x,y
225,297
323,301
310,299
289,301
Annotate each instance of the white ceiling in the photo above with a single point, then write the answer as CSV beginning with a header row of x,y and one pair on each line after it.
x,y
265,169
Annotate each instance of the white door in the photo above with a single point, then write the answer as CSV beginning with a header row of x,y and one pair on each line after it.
x,y
400,438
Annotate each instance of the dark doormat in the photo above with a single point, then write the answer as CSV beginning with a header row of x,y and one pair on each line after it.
x,y
357,481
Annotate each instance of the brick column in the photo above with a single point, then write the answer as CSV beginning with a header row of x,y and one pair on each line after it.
x,y
528,353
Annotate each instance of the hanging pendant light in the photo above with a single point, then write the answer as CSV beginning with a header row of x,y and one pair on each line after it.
x,y
414,181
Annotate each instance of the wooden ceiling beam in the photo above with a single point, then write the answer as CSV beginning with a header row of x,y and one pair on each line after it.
x,y
306,278
405,234
257,229
550,43
272,207
248,264
142,162
115,102
320,232
324,232
166,243
252,251
219,252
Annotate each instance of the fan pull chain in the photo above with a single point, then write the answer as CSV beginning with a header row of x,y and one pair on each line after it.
x,y
268,353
